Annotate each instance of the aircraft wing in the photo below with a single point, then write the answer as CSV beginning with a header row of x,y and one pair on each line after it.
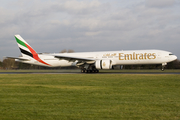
x,y
19,58
73,59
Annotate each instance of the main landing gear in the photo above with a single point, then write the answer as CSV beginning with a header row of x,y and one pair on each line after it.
x,y
89,71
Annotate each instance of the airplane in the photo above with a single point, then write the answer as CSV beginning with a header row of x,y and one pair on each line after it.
x,y
92,62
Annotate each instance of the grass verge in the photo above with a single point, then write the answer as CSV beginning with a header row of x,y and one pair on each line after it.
x,y
89,96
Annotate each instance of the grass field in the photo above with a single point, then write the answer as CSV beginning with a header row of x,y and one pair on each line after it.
x,y
89,97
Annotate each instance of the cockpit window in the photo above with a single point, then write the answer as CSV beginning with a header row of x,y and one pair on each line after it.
x,y
171,54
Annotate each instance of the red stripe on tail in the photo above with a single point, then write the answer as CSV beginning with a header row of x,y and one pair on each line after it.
x,y
35,55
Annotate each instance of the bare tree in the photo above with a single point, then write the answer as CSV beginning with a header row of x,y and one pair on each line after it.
x,y
63,51
9,63
1,64
70,51
67,51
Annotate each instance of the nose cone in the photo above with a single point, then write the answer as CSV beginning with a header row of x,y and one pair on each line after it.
x,y
172,57
175,57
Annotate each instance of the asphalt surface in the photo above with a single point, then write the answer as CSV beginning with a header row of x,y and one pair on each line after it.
x,y
165,73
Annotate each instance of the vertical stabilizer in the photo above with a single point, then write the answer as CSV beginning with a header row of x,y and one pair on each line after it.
x,y
25,48
27,51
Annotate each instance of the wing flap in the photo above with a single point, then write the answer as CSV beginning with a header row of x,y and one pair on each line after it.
x,y
73,59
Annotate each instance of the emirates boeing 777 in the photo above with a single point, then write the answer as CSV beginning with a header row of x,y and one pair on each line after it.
x,y
92,61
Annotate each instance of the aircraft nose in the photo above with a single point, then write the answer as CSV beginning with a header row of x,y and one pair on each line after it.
x,y
175,57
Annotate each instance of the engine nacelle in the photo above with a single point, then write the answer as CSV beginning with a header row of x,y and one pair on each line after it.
x,y
103,64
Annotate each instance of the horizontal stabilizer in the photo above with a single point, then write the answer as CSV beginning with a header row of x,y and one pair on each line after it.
x,y
19,58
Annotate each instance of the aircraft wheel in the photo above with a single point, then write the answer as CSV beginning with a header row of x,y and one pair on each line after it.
x,y
82,71
87,71
163,68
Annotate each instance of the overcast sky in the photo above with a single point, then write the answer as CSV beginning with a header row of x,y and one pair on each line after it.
x,y
90,25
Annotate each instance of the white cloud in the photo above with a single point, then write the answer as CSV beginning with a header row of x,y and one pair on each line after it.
x,y
80,25
82,5
92,33
160,3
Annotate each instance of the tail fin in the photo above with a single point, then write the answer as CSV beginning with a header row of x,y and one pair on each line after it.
x,y
27,51
25,48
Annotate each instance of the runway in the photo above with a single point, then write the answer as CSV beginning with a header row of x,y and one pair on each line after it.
x,y
159,73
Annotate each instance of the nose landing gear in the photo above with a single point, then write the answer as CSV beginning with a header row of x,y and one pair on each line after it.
x,y
163,66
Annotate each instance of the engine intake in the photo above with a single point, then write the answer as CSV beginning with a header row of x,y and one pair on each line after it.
x,y
103,64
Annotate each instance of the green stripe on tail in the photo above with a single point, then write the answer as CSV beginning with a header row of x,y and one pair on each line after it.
x,y
20,42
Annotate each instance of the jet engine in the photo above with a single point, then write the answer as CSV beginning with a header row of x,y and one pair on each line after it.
x,y
103,64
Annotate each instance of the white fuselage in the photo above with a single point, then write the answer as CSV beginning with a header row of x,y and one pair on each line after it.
x,y
132,57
